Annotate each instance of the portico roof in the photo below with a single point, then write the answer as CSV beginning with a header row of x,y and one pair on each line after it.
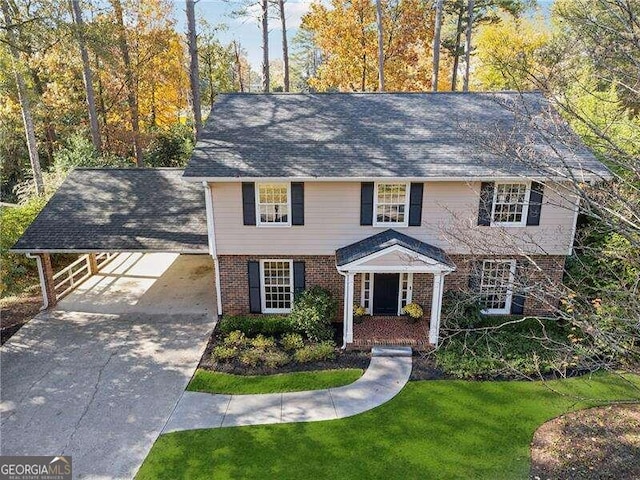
x,y
386,240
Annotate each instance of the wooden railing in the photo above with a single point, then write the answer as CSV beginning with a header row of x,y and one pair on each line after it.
x,y
70,277
73,275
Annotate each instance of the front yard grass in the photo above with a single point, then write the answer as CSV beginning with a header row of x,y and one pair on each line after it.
x,y
447,429
217,382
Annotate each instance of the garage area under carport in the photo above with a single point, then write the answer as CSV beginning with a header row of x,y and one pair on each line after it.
x,y
100,213
97,375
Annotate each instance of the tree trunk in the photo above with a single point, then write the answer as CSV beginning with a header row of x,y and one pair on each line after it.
x,y
436,45
467,46
27,120
285,46
456,53
238,65
102,105
380,46
87,75
194,67
132,100
265,46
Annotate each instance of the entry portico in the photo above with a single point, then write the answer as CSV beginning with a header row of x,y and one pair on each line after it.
x,y
387,262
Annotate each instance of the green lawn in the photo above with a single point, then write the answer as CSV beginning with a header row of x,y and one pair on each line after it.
x,y
216,382
432,429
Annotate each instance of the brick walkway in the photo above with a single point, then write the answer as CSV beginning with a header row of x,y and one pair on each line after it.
x,y
394,330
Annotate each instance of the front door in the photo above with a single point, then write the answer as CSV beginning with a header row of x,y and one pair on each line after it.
x,y
385,293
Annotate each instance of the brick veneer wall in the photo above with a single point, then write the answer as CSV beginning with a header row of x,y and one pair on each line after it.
x,y
542,274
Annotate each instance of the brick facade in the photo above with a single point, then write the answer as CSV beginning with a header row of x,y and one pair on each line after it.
x,y
541,275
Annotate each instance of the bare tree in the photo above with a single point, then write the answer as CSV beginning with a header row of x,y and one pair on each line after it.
x,y
285,45
194,68
236,52
467,46
23,98
265,45
436,45
132,99
87,75
380,46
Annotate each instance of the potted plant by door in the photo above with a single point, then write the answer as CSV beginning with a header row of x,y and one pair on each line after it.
x,y
358,313
413,311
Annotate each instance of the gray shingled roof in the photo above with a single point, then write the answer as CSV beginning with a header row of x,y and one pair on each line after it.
x,y
373,135
387,239
121,210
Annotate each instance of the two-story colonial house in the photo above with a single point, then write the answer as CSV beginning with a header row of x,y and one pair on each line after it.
x,y
387,199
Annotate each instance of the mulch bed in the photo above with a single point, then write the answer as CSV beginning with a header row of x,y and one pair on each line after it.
x,y
594,444
348,359
16,311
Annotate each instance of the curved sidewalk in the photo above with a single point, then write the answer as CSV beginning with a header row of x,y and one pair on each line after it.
x,y
382,381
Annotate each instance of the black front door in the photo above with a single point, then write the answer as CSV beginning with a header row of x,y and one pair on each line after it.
x,y
385,293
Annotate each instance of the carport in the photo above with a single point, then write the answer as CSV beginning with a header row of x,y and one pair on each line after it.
x,y
99,213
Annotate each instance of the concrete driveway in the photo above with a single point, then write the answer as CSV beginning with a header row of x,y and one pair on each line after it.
x,y
98,377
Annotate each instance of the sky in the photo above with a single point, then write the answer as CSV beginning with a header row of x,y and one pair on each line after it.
x,y
246,31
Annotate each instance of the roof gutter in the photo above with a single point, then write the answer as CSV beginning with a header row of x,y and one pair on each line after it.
x,y
45,298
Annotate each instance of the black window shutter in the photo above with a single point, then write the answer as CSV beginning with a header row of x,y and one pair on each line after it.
x,y
518,297
255,304
535,203
249,203
366,203
298,277
297,203
415,204
486,203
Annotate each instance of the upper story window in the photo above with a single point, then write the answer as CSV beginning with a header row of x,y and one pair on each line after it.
x,y
510,204
391,204
273,204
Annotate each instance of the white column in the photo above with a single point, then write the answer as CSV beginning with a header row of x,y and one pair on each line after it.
x,y
436,306
344,311
349,308
211,235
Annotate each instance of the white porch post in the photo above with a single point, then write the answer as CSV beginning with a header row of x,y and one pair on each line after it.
x,y
436,306
348,300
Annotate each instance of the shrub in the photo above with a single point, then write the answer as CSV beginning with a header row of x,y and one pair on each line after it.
x,y
312,313
275,358
251,326
315,352
292,341
235,339
460,310
223,353
263,343
251,357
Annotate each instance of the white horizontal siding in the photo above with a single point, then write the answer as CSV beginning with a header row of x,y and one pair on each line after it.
x,y
332,220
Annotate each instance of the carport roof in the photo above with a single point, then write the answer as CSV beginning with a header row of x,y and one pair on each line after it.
x,y
120,210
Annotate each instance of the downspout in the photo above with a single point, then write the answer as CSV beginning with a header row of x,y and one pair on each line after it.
x,y
45,297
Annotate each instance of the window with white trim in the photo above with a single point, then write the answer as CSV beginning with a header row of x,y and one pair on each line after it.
x,y
496,285
277,285
510,203
367,289
391,204
406,284
273,204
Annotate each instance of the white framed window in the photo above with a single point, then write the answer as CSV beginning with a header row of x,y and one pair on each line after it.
x,y
405,291
391,204
273,204
496,286
277,285
510,204
366,299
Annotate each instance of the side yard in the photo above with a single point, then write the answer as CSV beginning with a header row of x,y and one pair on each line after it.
x,y
432,429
